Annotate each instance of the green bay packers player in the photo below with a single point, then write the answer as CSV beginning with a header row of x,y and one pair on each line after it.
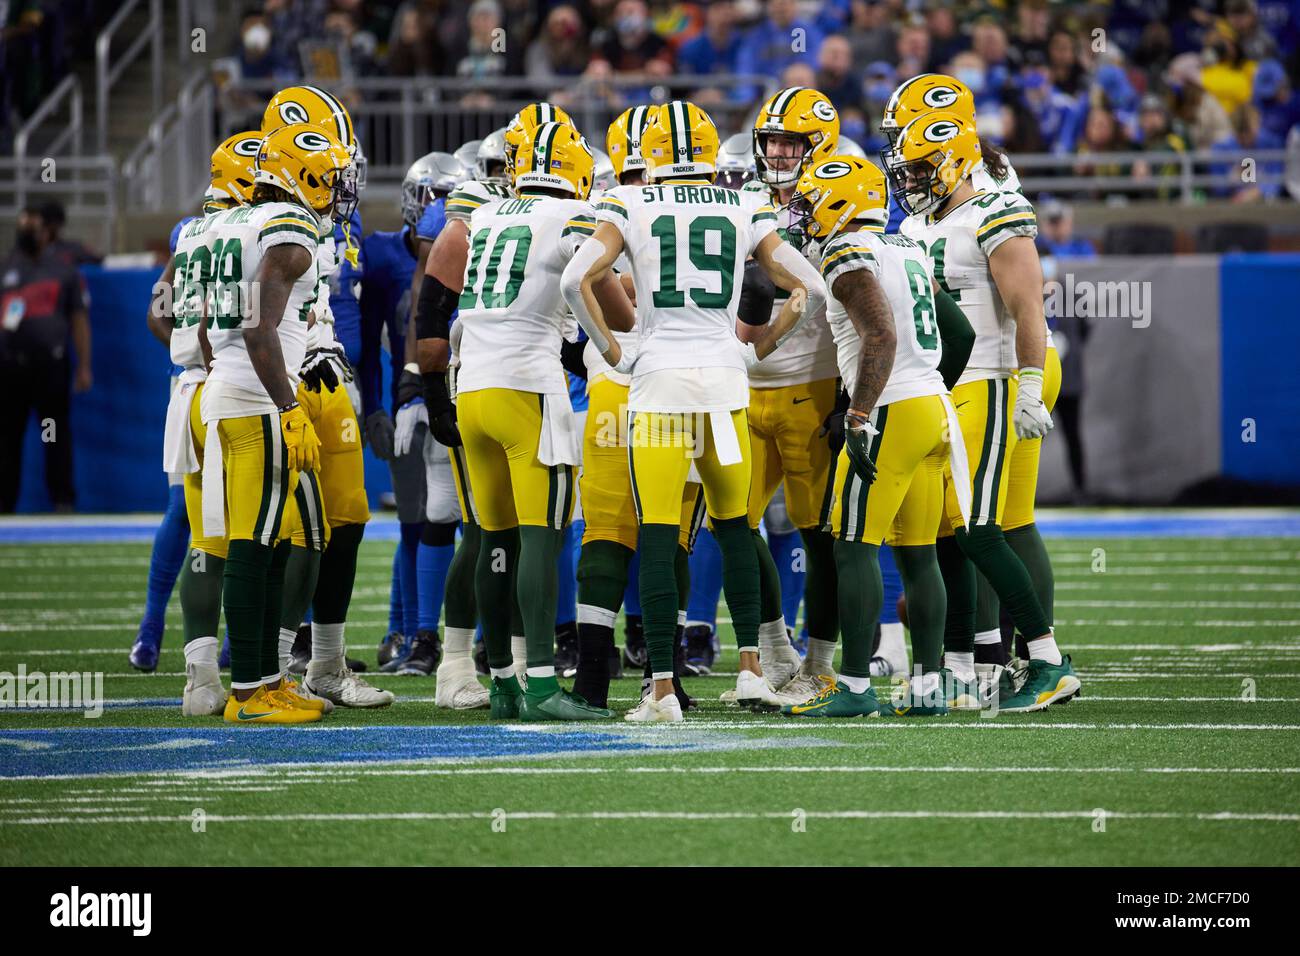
x,y
791,394
258,437
520,437
916,97
982,244
333,510
688,241
889,320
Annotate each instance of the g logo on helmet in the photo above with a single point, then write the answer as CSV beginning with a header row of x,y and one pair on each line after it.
x,y
311,140
940,97
823,110
292,112
246,147
941,131
833,170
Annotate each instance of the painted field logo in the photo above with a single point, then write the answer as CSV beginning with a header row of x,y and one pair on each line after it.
x,y
75,909
58,691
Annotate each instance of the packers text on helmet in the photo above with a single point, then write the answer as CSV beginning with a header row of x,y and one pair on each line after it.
x,y
679,140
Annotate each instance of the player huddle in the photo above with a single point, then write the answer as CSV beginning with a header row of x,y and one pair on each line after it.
x,y
733,342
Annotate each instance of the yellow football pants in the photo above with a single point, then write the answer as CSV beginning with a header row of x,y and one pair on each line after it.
x,y
662,447
342,465
984,409
911,448
1023,463
785,446
501,429
608,511
258,483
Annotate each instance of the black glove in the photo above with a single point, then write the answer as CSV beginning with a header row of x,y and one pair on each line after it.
x,y
857,440
409,385
379,433
571,357
442,413
325,367
833,427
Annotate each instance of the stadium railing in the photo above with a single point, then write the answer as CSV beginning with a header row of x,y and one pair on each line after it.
x,y
109,70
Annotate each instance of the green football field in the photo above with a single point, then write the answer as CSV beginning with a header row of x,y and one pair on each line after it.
x,y
1184,748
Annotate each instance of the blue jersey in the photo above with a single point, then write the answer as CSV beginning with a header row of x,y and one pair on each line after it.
x,y
344,288
385,303
432,221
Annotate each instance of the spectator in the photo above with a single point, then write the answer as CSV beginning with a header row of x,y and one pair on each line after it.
x,y
872,32
1057,115
1228,75
1254,40
68,251
632,47
912,52
1201,116
878,86
413,50
1243,179
835,75
1278,104
1155,48
42,313
486,46
1056,232
1033,21
561,50
968,67
257,56
989,43
1102,134
1158,136
1063,62
946,38
1011,126
717,48
1111,86
779,40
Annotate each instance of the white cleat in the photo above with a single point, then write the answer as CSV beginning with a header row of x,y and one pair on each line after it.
x,y
335,682
204,695
293,684
803,687
728,696
753,690
458,687
891,655
651,711
781,664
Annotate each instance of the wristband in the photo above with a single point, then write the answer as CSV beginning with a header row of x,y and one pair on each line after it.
x,y
288,408
412,367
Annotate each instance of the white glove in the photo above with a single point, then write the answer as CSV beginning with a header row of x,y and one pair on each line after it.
x,y
627,359
408,417
1031,417
750,355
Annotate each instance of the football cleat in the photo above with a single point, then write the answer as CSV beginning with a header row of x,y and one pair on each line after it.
x,y
566,649
698,640
335,681
504,698
960,694
302,698
634,652
300,653
651,711
907,701
458,687
204,695
560,706
802,687
393,652
755,692
426,652
267,707
1045,684
144,652
779,664
836,700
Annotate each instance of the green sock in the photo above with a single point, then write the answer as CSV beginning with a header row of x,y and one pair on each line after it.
x,y
682,571
243,596
538,588
927,602
602,581
740,577
658,586
338,572
458,607
959,583
1028,545
820,601
602,574
200,587
988,610
493,586
859,607
299,585
769,580
987,548
274,608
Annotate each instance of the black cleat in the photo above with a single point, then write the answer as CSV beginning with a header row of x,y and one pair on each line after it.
x,y
566,650
390,647
426,652
634,652
699,651
300,653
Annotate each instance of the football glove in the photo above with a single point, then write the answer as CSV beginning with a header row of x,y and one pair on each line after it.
x,y
750,356
627,359
379,433
833,427
858,433
442,413
408,417
300,438
326,367
409,385
1032,419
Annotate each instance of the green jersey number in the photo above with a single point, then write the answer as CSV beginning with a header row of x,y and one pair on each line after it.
x,y
936,253
923,313
191,274
723,262
228,273
481,286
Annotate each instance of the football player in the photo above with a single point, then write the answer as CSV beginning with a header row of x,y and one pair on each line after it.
x,y
982,245
688,241
889,319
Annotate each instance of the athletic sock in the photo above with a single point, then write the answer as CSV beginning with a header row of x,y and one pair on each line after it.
x,y
407,547
959,584
459,607
243,596
433,558
821,585
602,580
395,623
988,550
658,592
961,663
791,572
821,657
769,580
338,574
170,547
202,650
1044,649
706,580
272,609
740,577
857,685
300,577
457,643
494,581
772,637
927,602
1028,545
988,647
287,636
200,587
538,584
859,606
327,642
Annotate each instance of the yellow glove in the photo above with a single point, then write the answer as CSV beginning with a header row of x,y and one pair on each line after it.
x,y
300,437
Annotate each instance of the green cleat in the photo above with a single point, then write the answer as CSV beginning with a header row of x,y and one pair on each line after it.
x,y
1045,684
560,706
960,694
914,704
836,700
504,698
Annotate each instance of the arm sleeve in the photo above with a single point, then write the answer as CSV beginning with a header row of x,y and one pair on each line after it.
x,y
957,335
434,309
757,293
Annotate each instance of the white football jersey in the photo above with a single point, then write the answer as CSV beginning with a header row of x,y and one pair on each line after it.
x,y
687,242
190,278
512,313
960,245
236,240
984,181
470,195
903,270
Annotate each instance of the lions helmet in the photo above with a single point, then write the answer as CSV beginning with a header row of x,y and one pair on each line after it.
x,y
429,177
736,161
466,154
490,161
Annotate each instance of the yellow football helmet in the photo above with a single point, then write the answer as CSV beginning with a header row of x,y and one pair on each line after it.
x,y
555,157
232,168
679,140
318,107
832,194
524,123
623,141
926,94
932,156
802,113
310,165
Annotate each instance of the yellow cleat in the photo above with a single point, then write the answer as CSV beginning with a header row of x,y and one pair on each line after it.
x,y
267,707
291,689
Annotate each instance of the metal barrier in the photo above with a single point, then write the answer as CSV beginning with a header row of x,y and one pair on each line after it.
x,y
168,169
1186,177
68,136
87,186
107,72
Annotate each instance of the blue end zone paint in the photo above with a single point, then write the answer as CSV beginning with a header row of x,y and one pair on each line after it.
x,y
92,752
1054,522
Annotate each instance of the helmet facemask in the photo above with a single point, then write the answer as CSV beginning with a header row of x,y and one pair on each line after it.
x,y
918,185
781,178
